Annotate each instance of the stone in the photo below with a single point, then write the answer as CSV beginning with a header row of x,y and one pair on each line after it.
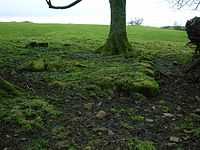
x,y
175,63
88,106
197,111
186,138
187,131
23,139
168,115
101,129
38,65
174,139
8,136
178,108
149,120
110,133
88,148
197,98
101,114
153,107
170,144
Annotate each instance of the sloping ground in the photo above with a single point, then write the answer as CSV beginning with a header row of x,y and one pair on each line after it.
x,y
75,99
94,117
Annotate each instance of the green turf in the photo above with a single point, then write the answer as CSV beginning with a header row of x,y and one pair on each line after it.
x,y
70,63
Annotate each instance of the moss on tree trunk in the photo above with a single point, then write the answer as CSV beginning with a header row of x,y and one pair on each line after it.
x,y
117,41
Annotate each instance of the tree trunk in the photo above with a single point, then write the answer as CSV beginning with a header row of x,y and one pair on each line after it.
x,y
117,41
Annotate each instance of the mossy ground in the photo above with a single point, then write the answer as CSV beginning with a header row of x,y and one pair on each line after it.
x,y
63,86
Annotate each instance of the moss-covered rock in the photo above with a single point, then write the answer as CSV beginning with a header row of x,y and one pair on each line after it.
x,y
123,77
38,65
58,84
149,87
132,82
28,113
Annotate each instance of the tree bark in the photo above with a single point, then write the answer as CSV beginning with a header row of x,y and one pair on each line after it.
x,y
117,41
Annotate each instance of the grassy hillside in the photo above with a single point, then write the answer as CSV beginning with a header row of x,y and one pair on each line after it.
x,y
73,98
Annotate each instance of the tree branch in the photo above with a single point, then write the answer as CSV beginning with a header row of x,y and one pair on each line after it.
x,y
62,7
191,3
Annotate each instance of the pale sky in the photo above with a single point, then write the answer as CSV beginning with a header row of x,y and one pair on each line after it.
x,y
154,12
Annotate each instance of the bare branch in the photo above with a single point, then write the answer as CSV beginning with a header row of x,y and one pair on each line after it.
x,y
62,7
190,3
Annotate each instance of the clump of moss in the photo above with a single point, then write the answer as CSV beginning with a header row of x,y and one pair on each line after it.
x,y
37,65
58,84
135,144
196,132
138,82
122,77
28,113
130,113
138,78
38,144
48,64
137,118
135,82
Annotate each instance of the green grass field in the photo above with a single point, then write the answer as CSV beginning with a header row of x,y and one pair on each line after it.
x,y
63,86
153,41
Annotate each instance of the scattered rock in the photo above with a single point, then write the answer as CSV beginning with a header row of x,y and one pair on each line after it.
x,y
99,104
110,133
197,111
187,131
101,114
23,139
178,108
88,148
174,139
170,144
101,129
153,107
149,120
168,115
88,106
186,138
197,98
175,63
8,136
38,65
179,115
